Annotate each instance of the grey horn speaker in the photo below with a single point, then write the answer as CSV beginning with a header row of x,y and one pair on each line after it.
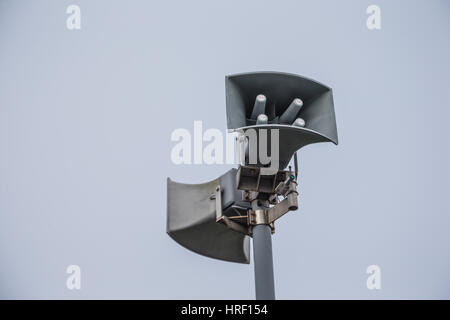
x,y
193,211
302,109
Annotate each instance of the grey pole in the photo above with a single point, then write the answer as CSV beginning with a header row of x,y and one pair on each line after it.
x,y
263,261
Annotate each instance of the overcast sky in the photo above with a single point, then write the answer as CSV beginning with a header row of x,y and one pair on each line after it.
x,y
86,117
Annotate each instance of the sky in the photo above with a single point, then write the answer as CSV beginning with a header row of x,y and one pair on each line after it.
x,y
86,118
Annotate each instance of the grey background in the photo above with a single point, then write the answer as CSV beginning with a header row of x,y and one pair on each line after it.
x,y
85,124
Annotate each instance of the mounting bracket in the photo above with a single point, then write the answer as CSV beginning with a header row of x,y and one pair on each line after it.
x,y
258,187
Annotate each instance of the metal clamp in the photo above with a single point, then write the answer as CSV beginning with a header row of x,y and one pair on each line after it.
x,y
243,221
268,216
227,221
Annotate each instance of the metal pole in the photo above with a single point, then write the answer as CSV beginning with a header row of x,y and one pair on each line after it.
x,y
263,261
